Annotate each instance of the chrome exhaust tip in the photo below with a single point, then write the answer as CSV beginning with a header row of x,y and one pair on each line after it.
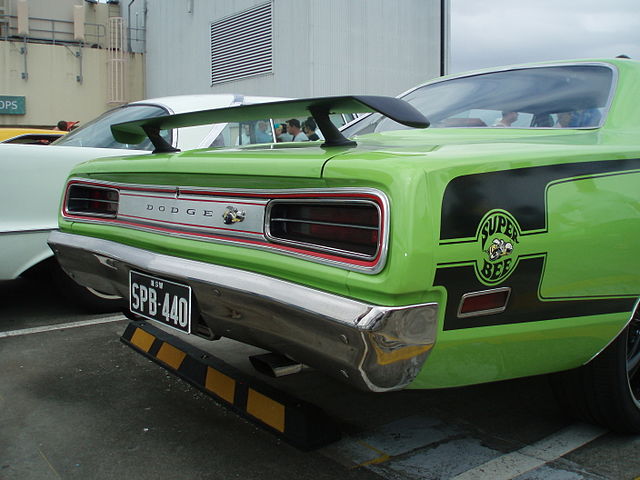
x,y
275,365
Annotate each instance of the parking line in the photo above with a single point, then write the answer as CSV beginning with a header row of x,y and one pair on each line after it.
x,y
382,456
533,456
44,457
62,326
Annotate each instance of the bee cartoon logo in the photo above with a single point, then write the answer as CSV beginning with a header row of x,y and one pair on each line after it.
x,y
232,215
498,235
499,248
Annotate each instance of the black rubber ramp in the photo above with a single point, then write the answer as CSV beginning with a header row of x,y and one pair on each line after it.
x,y
300,423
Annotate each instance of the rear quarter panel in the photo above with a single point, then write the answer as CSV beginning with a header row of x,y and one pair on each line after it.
x,y
573,272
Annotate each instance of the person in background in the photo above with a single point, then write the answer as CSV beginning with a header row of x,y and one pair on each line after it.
x,y
61,125
293,127
542,120
565,120
263,135
309,129
589,117
507,119
281,133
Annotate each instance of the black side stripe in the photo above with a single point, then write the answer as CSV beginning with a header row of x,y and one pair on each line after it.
x,y
524,306
520,191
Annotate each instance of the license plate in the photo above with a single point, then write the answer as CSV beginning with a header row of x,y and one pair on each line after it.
x,y
161,300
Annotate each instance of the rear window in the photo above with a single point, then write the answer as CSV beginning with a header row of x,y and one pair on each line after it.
x,y
570,96
97,133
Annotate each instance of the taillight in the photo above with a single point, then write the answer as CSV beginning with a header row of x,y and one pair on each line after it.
x,y
344,227
88,200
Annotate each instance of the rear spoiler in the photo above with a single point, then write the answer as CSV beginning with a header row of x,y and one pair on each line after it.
x,y
319,108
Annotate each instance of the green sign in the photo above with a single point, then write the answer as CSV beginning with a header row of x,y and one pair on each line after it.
x,y
12,105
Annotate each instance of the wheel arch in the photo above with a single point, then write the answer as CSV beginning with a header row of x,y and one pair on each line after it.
x,y
635,308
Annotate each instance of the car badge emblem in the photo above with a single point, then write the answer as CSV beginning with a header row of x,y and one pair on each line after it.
x,y
498,235
499,248
232,215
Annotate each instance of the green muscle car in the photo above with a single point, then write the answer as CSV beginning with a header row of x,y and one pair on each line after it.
x,y
477,228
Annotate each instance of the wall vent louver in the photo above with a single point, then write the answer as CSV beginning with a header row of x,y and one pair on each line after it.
x,y
242,44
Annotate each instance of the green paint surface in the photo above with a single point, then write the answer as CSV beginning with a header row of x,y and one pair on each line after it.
x,y
588,238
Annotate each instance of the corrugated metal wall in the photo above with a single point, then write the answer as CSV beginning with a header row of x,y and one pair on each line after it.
x,y
319,48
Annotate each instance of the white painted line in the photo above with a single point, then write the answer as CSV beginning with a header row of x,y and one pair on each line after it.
x,y
533,456
62,326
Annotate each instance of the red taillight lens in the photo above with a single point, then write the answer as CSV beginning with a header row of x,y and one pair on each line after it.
x,y
348,228
92,201
343,234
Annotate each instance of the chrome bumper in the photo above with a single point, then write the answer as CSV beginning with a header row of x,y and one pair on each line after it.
x,y
372,347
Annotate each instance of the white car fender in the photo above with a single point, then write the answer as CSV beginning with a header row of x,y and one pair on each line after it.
x,y
30,188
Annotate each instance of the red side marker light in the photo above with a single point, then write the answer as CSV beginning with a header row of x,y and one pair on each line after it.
x,y
486,302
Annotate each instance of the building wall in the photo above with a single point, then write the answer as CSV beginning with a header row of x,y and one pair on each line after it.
x,y
49,15
49,78
326,48
52,91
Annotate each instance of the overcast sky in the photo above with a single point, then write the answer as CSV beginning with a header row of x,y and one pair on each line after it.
x,y
489,33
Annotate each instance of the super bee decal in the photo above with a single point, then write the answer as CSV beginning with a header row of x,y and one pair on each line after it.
x,y
497,235
494,233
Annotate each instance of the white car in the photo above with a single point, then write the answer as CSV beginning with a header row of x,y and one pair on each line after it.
x,y
33,177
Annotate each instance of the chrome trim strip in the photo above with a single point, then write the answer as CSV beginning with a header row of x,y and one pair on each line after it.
x,y
372,347
28,230
491,311
246,192
189,213
93,214
259,196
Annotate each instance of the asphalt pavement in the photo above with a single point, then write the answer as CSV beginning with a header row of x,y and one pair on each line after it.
x,y
76,403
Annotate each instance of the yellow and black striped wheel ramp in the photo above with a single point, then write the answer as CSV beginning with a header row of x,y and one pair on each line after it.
x,y
298,422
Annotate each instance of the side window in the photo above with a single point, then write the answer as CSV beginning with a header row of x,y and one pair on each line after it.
x,y
337,119
244,133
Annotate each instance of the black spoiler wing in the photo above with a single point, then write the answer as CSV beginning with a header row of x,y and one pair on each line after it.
x,y
319,108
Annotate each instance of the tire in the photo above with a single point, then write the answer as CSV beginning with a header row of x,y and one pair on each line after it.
x,y
606,391
88,299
